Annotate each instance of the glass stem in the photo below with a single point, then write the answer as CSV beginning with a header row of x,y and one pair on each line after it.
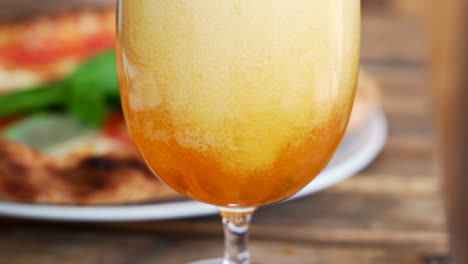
x,y
236,230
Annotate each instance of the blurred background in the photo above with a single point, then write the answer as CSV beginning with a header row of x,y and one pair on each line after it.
x,y
25,8
389,212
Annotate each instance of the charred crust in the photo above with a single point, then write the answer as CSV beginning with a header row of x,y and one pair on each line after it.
x,y
137,164
110,163
23,191
29,176
16,169
99,163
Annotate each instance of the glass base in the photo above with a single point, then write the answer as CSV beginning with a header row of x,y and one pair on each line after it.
x,y
215,261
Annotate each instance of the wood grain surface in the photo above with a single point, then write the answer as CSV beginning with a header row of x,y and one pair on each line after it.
x,y
449,38
388,213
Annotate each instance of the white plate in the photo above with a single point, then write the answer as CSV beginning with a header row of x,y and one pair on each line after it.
x,y
355,153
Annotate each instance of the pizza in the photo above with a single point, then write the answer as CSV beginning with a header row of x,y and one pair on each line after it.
x,y
98,166
33,177
63,139
48,48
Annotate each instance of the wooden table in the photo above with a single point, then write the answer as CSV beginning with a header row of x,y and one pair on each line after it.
x,y
388,213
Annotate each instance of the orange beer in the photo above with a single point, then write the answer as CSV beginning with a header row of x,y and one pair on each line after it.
x,y
229,104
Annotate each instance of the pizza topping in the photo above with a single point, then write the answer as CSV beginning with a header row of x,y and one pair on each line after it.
x,y
17,80
25,56
49,40
45,131
116,129
93,89
49,48
6,122
27,101
89,94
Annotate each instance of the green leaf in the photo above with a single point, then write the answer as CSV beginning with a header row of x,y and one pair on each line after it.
x,y
90,86
30,100
88,94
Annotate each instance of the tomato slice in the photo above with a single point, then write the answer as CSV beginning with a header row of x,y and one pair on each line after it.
x,y
115,128
6,122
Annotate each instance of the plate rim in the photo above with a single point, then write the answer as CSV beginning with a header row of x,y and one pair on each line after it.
x,y
377,124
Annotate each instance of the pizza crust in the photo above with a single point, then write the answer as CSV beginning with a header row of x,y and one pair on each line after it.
x,y
118,178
